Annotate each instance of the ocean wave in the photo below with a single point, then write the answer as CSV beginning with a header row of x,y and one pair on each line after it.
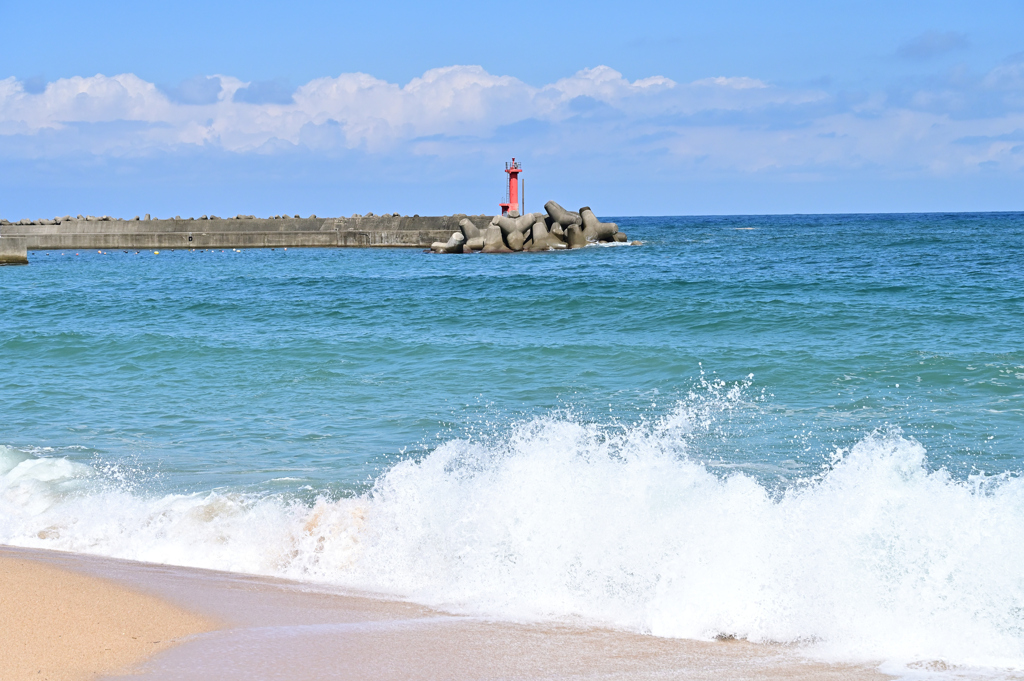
x,y
876,557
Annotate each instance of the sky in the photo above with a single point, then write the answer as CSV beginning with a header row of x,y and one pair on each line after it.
x,y
638,108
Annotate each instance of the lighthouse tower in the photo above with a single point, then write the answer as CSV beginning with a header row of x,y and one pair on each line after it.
x,y
512,192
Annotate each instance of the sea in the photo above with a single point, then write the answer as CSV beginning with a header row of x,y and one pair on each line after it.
x,y
804,429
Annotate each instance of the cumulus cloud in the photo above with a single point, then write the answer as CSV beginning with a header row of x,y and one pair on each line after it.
x,y
714,124
932,44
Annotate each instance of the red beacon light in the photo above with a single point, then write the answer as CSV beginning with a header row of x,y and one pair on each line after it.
x,y
512,190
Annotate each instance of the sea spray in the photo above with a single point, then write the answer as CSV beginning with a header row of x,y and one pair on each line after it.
x,y
877,557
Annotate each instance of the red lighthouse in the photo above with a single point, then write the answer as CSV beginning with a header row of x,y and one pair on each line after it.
x,y
512,193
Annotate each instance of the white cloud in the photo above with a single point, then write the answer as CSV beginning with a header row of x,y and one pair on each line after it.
x,y
715,124
737,82
605,84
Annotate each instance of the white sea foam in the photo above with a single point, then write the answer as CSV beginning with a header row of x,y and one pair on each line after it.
x,y
877,558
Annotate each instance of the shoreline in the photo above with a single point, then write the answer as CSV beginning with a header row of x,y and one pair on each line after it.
x,y
270,628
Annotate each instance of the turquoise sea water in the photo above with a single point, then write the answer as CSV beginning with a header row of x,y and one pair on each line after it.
x,y
846,371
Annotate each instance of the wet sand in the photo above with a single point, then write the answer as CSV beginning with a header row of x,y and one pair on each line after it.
x,y
275,629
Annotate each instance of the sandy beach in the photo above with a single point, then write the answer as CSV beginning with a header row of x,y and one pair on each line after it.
x,y
62,625
69,616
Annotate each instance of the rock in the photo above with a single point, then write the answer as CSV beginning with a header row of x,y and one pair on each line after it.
x,y
80,217
561,215
594,229
493,243
177,217
574,237
135,219
202,217
515,240
620,237
313,216
214,217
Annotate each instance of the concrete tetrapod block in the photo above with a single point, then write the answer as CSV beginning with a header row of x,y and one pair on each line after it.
x,y
469,230
519,224
13,250
493,243
454,244
515,240
561,215
574,237
594,229
542,240
506,224
526,222
474,244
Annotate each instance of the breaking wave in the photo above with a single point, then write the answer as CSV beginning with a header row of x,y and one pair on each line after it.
x,y
876,557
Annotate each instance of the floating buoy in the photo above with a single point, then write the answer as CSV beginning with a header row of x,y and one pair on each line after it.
x,y
156,252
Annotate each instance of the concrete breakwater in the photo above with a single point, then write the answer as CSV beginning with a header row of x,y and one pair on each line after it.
x,y
13,251
243,231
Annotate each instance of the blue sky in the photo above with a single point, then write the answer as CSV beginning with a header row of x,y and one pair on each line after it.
x,y
635,108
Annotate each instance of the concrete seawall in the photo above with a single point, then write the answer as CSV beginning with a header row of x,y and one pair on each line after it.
x,y
381,231
13,251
